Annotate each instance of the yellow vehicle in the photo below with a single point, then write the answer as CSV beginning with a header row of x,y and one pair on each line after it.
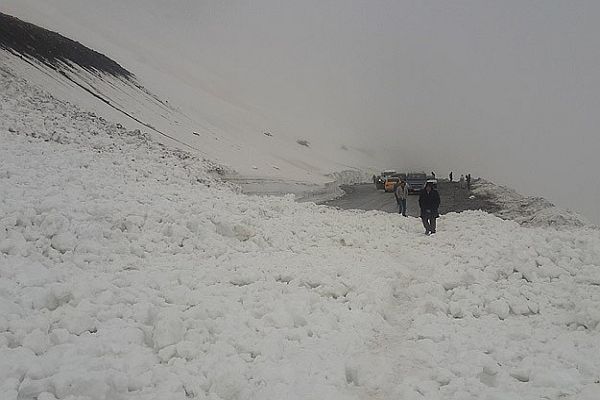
x,y
390,183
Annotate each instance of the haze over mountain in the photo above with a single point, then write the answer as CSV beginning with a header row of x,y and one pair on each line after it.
x,y
508,91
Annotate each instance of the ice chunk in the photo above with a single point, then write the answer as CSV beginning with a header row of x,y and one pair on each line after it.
x,y
500,308
64,242
168,329
37,341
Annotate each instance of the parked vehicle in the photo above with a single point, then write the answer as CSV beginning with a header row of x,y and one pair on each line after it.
x,y
400,175
416,181
380,182
390,184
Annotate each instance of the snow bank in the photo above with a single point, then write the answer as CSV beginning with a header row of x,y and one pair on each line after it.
x,y
529,211
302,191
127,272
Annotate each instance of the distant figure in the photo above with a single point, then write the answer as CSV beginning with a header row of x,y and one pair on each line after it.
x,y
450,176
433,174
401,193
429,201
468,181
461,182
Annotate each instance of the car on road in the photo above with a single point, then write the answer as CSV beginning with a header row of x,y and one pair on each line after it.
x,y
380,180
390,183
416,181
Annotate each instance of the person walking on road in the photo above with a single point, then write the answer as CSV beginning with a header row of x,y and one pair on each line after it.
x,y
450,176
429,201
401,194
468,181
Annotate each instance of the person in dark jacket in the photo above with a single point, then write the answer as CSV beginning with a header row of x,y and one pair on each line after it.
x,y
429,201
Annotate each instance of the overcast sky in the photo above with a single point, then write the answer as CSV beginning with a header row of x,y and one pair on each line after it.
x,y
507,90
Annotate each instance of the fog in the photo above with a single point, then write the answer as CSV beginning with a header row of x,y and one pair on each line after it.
x,y
509,90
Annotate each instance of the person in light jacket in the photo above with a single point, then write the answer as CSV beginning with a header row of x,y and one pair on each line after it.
x,y
429,201
401,194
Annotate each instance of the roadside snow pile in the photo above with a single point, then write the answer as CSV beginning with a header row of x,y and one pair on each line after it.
x,y
529,211
127,273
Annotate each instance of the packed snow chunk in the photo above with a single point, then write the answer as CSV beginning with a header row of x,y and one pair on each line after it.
x,y
500,308
37,298
9,394
31,388
520,374
456,309
518,305
352,374
77,321
64,242
188,350
37,341
428,327
563,379
8,307
168,329
93,385
143,312
60,336
14,245
3,321
14,363
53,224
228,385
489,375
587,314
245,278
589,392
241,232
167,352
133,223
31,273
279,318
46,396
590,274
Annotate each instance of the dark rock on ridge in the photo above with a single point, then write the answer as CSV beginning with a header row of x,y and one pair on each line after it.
x,y
52,48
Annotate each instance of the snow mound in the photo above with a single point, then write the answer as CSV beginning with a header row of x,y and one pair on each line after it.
x,y
528,211
128,272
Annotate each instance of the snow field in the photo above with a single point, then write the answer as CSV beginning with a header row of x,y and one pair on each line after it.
x,y
128,272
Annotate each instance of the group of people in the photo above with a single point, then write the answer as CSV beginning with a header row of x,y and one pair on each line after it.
x,y
429,200
429,203
464,181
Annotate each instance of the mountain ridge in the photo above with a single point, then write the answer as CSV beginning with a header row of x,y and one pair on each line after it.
x,y
50,47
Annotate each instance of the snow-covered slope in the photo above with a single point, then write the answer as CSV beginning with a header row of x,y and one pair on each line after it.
x,y
128,272
437,86
249,145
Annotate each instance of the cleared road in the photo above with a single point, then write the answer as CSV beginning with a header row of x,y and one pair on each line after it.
x,y
366,197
